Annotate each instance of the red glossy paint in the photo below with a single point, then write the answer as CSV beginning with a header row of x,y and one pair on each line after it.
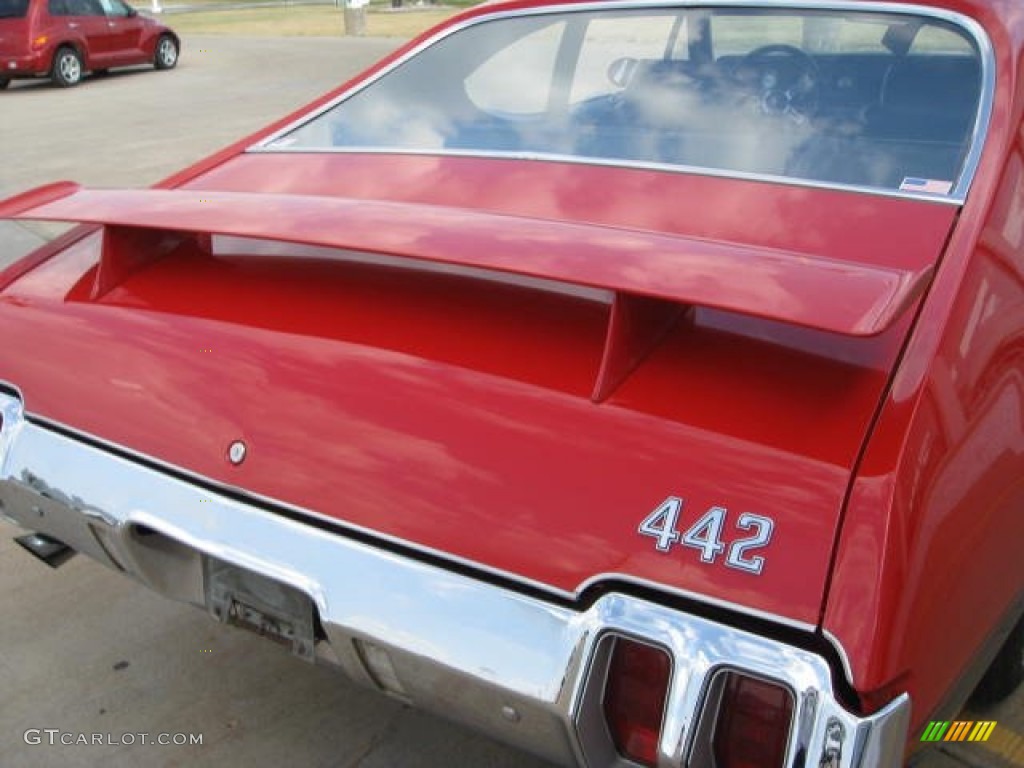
x,y
484,391
456,413
930,544
892,233
775,285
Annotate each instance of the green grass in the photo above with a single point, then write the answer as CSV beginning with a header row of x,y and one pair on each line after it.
x,y
733,35
408,6
303,21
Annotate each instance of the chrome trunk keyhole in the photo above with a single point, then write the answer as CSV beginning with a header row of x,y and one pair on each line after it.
x,y
236,452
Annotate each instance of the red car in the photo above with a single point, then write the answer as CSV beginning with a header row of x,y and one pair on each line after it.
x,y
62,39
638,383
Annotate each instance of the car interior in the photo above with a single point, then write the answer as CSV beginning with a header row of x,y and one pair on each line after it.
x,y
884,101
873,119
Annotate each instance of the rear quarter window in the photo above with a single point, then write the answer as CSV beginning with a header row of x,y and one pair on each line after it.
x,y
13,9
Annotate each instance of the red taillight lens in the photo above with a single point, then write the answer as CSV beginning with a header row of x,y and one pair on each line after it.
x,y
753,723
634,698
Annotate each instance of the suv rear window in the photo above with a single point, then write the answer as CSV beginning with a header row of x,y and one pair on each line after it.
x,y
13,9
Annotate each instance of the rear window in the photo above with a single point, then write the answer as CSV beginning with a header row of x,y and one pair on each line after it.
x,y
847,98
13,9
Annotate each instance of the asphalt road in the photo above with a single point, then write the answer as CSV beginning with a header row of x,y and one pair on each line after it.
x,y
85,651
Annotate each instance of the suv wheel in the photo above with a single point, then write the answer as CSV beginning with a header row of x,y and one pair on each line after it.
x,y
166,55
4,82
67,67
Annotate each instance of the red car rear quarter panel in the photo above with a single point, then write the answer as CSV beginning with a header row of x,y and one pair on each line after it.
x,y
454,414
930,545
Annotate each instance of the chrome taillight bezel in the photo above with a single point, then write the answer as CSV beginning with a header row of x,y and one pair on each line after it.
x,y
701,754
821,727
592,727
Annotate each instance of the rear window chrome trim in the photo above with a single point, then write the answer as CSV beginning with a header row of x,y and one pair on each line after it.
x,y
957,196
632,165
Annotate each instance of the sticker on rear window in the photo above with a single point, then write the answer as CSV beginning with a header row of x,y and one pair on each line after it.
x,y
931,186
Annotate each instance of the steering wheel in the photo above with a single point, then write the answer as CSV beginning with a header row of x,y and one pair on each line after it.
x,y
784,79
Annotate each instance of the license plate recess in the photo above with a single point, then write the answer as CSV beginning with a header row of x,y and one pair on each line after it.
x,y
255,602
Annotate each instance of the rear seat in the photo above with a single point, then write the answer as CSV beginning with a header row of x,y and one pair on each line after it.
x,y
919,129
927,98
926,116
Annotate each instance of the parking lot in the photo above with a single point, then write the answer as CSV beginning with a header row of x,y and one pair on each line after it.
x,y
85,651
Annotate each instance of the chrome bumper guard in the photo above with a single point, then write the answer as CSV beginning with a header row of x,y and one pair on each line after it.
x,y
522,670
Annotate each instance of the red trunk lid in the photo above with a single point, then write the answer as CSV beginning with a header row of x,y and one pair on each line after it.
x,y
460,414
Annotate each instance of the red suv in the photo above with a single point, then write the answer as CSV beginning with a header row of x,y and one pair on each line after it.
x,y
62,39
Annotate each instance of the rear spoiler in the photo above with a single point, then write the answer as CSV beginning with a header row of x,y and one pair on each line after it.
x,y
653,277
848,298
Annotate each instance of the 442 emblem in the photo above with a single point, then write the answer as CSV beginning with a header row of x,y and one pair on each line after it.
x,y
709,534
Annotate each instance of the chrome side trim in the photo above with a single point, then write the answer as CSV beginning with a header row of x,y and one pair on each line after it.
x,y
844,658
957,196
696,597
514,666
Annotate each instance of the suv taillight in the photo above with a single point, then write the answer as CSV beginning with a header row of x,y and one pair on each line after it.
x,y
634,698
752,728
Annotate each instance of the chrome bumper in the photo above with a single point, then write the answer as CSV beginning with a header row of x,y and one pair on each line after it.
x,y
522,670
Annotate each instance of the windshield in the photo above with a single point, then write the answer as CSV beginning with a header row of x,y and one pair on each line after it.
x,y
848,98
13,9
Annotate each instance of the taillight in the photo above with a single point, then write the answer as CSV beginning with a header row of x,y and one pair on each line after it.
x,y
754,718
634,698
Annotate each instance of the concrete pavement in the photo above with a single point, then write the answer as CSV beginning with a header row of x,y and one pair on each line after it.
x,y
86,651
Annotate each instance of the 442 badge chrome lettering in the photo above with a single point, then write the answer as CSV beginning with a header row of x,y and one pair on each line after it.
x,y
708,534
